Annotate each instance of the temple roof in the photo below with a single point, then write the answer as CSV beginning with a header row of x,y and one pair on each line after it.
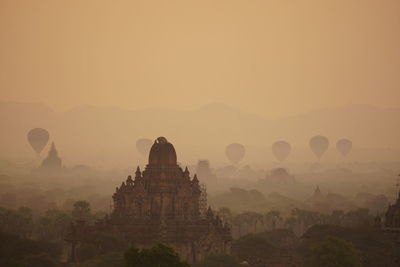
x,y
162,153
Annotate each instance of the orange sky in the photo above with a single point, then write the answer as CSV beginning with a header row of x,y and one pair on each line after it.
x,y
274,58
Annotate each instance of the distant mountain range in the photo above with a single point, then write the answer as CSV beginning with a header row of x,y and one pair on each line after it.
x,y
101,132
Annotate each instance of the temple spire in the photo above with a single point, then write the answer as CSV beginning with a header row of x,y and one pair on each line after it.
x,y
186,170
195,180
52,161
138,173
129,180
317,192
186,173
53,150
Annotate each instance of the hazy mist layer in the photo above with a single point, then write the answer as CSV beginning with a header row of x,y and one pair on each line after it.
x,y
106,137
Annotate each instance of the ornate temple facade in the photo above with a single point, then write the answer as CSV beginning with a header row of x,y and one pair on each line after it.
x,y
163,204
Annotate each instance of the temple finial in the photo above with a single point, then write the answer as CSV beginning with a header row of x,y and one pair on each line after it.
x,y
138,173
186,173
129,180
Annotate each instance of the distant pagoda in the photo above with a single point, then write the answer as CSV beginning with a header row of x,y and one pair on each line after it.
x,y
52,161
317,196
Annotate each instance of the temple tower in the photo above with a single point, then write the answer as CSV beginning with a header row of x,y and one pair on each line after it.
x,y
164,204
52,161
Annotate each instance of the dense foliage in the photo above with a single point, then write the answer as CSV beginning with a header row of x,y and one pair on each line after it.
x,y
29,239
17,251
376,248
219,260
157,256
336,252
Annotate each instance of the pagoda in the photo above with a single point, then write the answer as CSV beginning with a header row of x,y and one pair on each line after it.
x,y
162,204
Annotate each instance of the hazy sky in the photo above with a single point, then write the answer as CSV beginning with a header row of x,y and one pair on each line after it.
x,y
275,58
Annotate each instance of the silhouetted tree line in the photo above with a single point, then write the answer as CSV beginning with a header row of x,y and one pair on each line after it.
x,y
28,240
299,220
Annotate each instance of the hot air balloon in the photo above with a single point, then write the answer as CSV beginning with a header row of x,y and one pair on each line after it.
x,y
281,150
319,144
38,139
235,152
143,145
344,146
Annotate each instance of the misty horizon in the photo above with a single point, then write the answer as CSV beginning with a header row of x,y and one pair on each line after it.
x,y
206,133
200,106
256,133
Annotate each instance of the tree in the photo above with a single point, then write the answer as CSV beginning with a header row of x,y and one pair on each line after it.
x,y
272,217
157,256
218,260
105,242
376,249
336,252
17,251
336,217
87,252
19,222
253,248
39,260
250,220
305,219
290,222
357,218
81,209
114,259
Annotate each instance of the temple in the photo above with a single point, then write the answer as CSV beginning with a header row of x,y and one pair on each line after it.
x,y
391,222
163,204
52,161
317,196
392,217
